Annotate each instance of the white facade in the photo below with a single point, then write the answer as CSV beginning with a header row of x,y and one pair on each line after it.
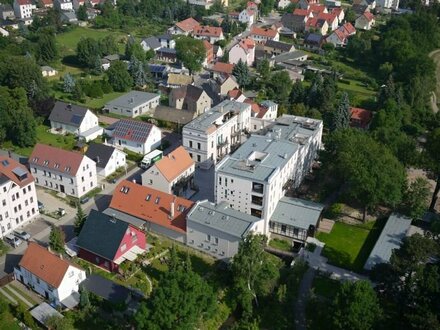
x,y
152,142
209,137
117,160
153,178
89,127
18,205
247,16
77,185
23,9
255,177
133,106
388,4
238,53
64,5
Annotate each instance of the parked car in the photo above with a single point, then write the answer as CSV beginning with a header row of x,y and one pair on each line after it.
x,y
84,200
22,235
12,240
40,205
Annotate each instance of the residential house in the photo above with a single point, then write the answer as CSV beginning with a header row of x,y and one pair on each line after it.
x,y
218,52
150,43
313,41
133,104
388,4
244,50
134,135
317,9
294,22
17,195
173,174
107,242
209,53
74,119
268,110
209,33
236,95
107,61
365,22
107,158
331,19
68,17
177,80
158,71
339,37
206,4
150,210
339,13
63,5
272,47
371,4
78,3
295,219
317,25
6,12
261,35
48,71
224,85
23,8
305,4
360,9
190,98
185,27
360,118
167,41
68,172
221,69
256,176
212,135
217,229
247,16
333,3
49,275
168,55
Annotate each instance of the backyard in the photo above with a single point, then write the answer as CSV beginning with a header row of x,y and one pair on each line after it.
x,y
348,246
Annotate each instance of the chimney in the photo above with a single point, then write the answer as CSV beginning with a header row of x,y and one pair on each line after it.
x,y
134,180
97,159
61,256
172,209
49,249
69,107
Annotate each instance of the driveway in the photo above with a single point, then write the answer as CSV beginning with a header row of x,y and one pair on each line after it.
x,y
51,203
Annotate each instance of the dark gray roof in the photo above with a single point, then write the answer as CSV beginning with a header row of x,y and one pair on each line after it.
x,y
359,9
188,92
167,51
136,222
165,37
131,130
297,212
102,235
157,68
390,238
152,42
131,100
106,289
293,22
100,153
313,38
222,218
67,113
284,47
5,7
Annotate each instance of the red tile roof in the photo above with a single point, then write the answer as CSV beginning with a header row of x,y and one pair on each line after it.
x,y
262,112
337,11
188,24
369,16
223,67
247,44
360,117
208,31
45,265
254,106
317,8
328,17
56,159
24,2
315,22
8,168
47,2
174,164
207,45
301,12
349,28
264,32
234,93
156,209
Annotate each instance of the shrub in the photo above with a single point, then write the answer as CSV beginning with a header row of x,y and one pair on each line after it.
x,y
335,210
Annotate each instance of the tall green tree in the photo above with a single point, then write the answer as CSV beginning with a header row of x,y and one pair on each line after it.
x,y
356,307
56,238
341,117
241,74
415,198
108,45
191,52
68,83
280,87
80,219
47,50
137,71
263,68
81,13
432,162
298,93
118,76
86,51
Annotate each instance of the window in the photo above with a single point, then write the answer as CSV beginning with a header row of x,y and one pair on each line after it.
x,y
84,189
73,191
148,197
71,180
199,145
208,238
123,247
283,229
82,179
29,188
190,144
216,240
220,180
4,202
60,177
90,174
157,200
13,197
31,199
199,158
26,203
91,184
35,170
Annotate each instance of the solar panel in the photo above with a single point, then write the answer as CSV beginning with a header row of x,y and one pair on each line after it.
x,y
76,119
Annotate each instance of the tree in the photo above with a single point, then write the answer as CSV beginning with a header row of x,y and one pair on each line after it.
x,y
80,219
298,93
107,45
182,301
341,118
266,7
46,48
355,306
254,272
280,87
138,73
68,83
84,300
56,239
241,74
263,68
191,52
415,198
81,13
86,51
371,173
118,76
432,148
133,48
56,322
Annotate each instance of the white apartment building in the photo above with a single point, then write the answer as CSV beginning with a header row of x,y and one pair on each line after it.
x,y
23,8
388,4
50,276
255,177
64,5
65,171
17,196
212,135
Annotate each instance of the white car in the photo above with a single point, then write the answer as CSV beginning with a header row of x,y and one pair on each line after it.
x,y
23,235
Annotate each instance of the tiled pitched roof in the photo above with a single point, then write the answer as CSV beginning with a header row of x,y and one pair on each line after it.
x,y
328,17
208,31
188,24
15,171
317,8
234,93
179,79
369,16
45,265
67,113
349,28
254,105
174,164
247,44
362,116
132,130
24,2
263,32
223,67
101,234
301,12
188,91
151,205
56,159
284,47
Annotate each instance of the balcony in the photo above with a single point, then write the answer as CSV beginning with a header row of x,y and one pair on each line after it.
x,y
223,143
236,133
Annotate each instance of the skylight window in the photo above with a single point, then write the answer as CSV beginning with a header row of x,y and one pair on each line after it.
x,y
148,197
157,200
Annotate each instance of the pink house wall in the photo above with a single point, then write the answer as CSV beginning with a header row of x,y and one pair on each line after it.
x,y
129,242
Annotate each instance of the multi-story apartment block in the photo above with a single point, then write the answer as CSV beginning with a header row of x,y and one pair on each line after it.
x,y
17,195
214,134
23,8
256,176
65,171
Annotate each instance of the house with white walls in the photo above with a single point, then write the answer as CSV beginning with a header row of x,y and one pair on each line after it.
x,y
107,158
244,50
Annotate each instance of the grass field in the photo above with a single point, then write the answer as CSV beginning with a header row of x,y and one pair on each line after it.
x,y
280,244
348,246
7,321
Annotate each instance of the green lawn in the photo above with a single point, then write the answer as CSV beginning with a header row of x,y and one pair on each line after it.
x,y
325,287
280,244
349,246
7,321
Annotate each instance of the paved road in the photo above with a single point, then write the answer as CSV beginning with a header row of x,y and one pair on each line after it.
x,y
301,301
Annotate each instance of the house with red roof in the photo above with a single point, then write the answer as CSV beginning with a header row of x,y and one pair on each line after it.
x,y
339,37
237,95
47,3
316,24
117,241
209,53
244,50
365,21
261,35
221,69
339,12
54,278
360,118
248,16
209,33
331,19
18,196
185,27
317,9
173,174
150,210
67,172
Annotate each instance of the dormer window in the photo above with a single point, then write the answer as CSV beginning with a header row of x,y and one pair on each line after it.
x,y
46,162
157,200
67,169
57,165
148,197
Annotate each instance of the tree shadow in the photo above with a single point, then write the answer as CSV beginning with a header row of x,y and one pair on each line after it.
x,y
337,258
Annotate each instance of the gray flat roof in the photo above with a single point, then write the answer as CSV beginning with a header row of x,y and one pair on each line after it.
x,y
43,311
289,56
390,238
297,212
222,218
124,217
261,155
131,100
207,119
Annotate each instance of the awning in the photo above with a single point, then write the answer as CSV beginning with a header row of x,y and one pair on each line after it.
x,y
130,255
71,301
